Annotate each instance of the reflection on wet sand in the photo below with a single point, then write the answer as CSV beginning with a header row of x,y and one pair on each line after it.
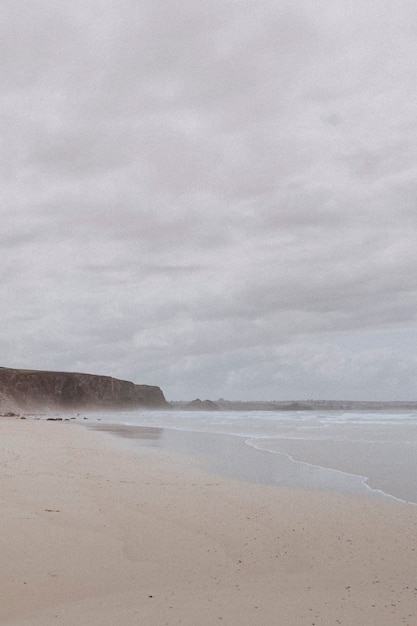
x,y
145,433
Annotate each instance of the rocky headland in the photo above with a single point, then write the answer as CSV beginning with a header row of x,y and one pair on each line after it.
x,y
198,405
35,390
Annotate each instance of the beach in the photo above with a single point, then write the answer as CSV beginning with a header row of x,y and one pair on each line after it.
x,y
98,530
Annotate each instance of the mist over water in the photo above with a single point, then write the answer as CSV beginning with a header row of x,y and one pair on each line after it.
x,y
369,453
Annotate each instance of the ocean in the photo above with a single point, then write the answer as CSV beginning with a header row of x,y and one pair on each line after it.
x,y
364,453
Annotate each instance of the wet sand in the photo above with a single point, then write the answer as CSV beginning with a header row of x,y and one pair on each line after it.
x,y
99,530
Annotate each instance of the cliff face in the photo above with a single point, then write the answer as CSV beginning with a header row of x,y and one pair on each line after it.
x,y
150,396
64,390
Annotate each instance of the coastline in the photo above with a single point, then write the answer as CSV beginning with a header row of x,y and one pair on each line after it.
x,y
95,530
239,458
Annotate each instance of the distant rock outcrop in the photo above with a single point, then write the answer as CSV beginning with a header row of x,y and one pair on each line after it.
x,y
30,389
201,405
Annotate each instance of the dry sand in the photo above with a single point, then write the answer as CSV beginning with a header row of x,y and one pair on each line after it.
x,y
99,531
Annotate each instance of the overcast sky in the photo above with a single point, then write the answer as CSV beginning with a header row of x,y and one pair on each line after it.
x,y
219,198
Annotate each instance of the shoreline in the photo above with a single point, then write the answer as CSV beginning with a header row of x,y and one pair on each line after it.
x,y
95,530
235,461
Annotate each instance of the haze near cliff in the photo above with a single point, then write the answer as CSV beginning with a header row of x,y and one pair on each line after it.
x,y
217,198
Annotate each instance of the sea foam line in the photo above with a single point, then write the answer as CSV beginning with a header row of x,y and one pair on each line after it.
x,y
363,479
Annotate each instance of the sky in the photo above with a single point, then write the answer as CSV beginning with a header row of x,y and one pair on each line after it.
x,y
218,198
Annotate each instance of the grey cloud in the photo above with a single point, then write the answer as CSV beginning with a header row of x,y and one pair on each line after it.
x,y
218,198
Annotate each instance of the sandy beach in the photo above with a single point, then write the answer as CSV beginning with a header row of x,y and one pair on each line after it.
x,y
97,530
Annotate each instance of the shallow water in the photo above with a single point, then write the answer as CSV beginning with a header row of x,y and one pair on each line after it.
x,y
369,453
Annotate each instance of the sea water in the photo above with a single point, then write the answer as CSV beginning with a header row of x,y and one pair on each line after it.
x,y
368,453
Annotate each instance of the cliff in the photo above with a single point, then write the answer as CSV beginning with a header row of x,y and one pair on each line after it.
x,y
33,389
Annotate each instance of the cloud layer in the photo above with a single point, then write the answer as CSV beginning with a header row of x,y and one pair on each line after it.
x,y
218,198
